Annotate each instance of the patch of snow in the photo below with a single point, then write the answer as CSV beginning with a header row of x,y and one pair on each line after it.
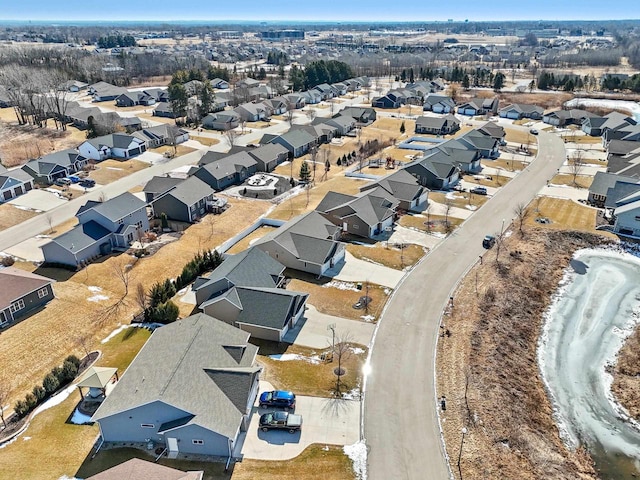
x,y
97,297
79,418
419,215
114,168
357,350
183,291
114,333
25,439
64,477
94,289
341,285
354,394
368,318
357,453
43,236
325,448
57,399
287,357
471,207
387,291
27,209
362,244
8,443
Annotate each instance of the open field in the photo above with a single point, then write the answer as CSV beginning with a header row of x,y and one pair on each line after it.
x,y
460,199
109,171
35,345
496,180
519,136
307,378
487,367
564,214
419,222
336,301
35,455
580,181
545,100
246,242
389,256
10,215
206,141
180,150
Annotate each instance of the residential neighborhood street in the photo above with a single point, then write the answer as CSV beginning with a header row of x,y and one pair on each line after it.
x,y
401,425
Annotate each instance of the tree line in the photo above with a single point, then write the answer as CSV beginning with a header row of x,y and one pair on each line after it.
x,y
113,41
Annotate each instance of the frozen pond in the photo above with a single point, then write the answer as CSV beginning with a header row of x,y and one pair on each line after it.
x,y
586,325
627,105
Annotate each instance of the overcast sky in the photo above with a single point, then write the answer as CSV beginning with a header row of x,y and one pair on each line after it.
x,y
332,10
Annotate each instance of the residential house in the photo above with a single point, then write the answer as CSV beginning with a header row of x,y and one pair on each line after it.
x,y
438,103
139,469
403,187
297,141
75,86
311,97
494,131
158,186
363,115
487,146
342,123
103,226
390,100
219,84
479,106
326,91
560,118
294,101
247,291
252,112
185,202
115,145
193,87
600,189
21,293
518,111
191,389
269,156
597,126
103,91
340,88
164,109
276,106
629,133
434,172
308,243
230,170
627,216
437,125
48,168
365,215
162,135
14,183
221,121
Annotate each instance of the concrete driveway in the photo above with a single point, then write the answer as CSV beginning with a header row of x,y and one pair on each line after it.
x,y
38,199
324,421
312,329
356,270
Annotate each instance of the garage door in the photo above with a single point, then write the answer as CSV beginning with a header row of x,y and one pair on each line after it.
x,y
134,151
7,195
18,191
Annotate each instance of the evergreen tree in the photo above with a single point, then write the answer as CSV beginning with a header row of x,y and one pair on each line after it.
x,y
305,172
206,96
179,99
92,129
465,82
498,82
402,128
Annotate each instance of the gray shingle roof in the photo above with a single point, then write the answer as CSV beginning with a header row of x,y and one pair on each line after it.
x,y
401,184
191,191
15,283
196,374
604,181
115,208
159,185
82,236
267,153
268,307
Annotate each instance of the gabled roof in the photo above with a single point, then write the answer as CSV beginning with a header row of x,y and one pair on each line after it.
x,y
434,99
297,138
268,152
268,307
12,177
16,283
620,193
159,185
196,374
493,130
603,181
82,236
371,206
401,184
190,191
96,377
523,108
229,165
137,469
627,207
115,208
114,140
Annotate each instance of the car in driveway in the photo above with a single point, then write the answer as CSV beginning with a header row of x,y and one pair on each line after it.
x,y
278,399
88,183
533,131
62,182
74,178
488,241
290,422
479,190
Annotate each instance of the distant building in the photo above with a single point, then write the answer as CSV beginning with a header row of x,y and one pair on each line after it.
x,y
282,34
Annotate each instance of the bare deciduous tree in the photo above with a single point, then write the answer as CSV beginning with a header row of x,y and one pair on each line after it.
x,y
4,398
231,136
576,165
448,205
83,340
141,296
341,352
522,212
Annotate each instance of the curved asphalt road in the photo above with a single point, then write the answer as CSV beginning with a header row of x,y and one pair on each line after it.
x,y
401,425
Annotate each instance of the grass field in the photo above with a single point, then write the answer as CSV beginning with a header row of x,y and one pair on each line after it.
x,y
10,215
109,171
461,199
437,223
389,256
180,150
205,140
246,241
564,214
581,181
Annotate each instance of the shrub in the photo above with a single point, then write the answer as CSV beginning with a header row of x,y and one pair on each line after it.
x,y
50,383
39,392
58,373
69,372
20,408
31,401
7,261
73,359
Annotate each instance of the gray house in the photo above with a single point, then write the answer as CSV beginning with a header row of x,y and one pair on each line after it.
x,y
14,183
297,141
224,172
434,173
21,293
269,156
438,103
190,389
115,145
437,125
247,291
479,106
308,243
185,202
48,168
518,111
158,186
103,226
403,187
221,121
608,187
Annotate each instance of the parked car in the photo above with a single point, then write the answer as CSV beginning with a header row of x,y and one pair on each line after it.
x,y
88,183
281,421
479,190
278,398
488,241
533,131
62,182
74,178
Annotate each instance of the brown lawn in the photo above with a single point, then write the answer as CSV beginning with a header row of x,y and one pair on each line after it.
x,y
246,242
564,214
508,165
180,150
437,223
388,255
10,215
461,199
206,141
109,171
580,181
519,136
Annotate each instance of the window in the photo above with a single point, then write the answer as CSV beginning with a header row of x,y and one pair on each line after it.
x,y
147,425
19,305
43,292
121,221
197,442
139,224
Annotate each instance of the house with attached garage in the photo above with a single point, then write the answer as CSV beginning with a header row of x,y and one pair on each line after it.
x,y
390,100
294,100
343,123
138,469
14,183
103,226
221,121
403,187
438,104
437,125
74,86
247,291
103,91
297,141
190,390
607,188
479,106
219,84
627,215
308,243
485,145
493,130
434,172
518,111
164,109
185,202
21,293
363,115
226,171
596,126
115,145
158,186
48,168
269,156
252,112
365,215
560,118
311,97
162,135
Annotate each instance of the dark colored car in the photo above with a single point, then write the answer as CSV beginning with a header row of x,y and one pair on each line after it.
x,y
488,241
88,183
280,421
479,190
279,399
533,131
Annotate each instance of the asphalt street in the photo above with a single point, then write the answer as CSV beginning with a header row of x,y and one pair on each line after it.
x,y
401,424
